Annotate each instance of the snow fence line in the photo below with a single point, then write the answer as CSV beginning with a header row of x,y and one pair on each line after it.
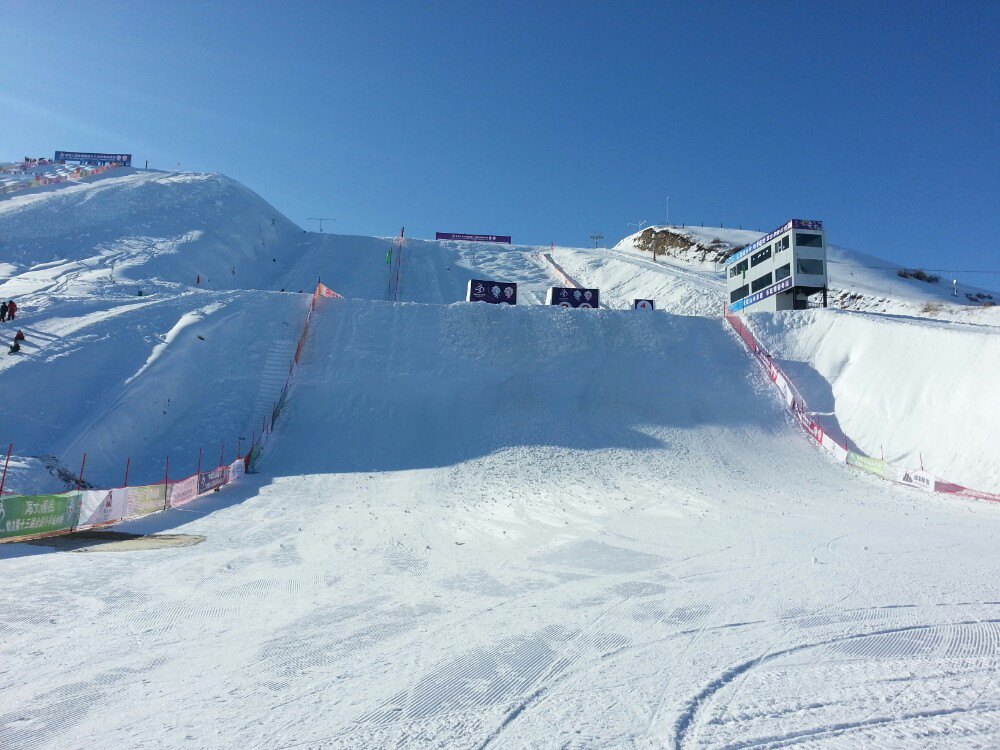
x,y
797,405
24,517
560,274
78,174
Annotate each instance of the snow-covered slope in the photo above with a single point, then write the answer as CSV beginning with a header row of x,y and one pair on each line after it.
x,y
477,526
143,378
913,391
209,259
502,527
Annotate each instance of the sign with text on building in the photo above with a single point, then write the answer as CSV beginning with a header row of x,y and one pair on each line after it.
x,y
473,237
562,296
762,294
643,304
813,224
494,292
94,158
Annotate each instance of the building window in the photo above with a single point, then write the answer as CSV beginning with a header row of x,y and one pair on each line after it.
x,y
760,256
738,294
738,270
758,284
781,244
783,272
808,240
809,266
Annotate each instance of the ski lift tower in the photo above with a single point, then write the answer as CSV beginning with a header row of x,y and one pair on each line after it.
x,y
320,222
597,237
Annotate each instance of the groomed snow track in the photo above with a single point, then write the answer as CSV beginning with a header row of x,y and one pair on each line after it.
x,y
498,527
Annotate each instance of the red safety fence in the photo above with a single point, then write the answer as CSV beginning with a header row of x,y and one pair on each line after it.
x,y
796,404
556,269
31,516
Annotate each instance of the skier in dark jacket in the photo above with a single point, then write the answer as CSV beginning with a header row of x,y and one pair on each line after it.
x,y
15,348
3,311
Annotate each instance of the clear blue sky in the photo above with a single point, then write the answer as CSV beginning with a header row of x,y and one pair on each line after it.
x,y
546,121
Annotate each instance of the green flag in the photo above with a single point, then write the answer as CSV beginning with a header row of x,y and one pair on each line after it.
x,y
388,257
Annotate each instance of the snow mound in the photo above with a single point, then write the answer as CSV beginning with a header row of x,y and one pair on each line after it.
x,y
912,391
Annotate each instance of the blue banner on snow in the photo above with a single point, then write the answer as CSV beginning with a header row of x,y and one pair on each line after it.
x,y
495,292
568,297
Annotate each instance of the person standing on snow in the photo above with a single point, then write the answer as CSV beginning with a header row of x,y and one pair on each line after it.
x,y
3,311
11,309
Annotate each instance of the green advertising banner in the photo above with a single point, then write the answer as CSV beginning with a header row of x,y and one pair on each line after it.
x,y
872,465
27,515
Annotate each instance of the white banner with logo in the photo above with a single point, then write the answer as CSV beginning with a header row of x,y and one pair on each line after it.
x,y
102,506
915,478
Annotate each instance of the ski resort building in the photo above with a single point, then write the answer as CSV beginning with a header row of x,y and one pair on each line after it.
x,y
780,271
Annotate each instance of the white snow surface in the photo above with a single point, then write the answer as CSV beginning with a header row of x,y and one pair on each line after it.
x,y
479,526
941,413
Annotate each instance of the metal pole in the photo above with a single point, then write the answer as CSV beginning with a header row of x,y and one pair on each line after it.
x,y
222,453
239,448
128,462
166,483
79,481
4,478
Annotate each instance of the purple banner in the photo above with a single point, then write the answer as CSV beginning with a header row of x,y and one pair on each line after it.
x,y
209,480
473,237
807,224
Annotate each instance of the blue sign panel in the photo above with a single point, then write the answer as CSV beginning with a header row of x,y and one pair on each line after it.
x,y
781,286
473,237
793,224
495,292
566,297
92,158
643,304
